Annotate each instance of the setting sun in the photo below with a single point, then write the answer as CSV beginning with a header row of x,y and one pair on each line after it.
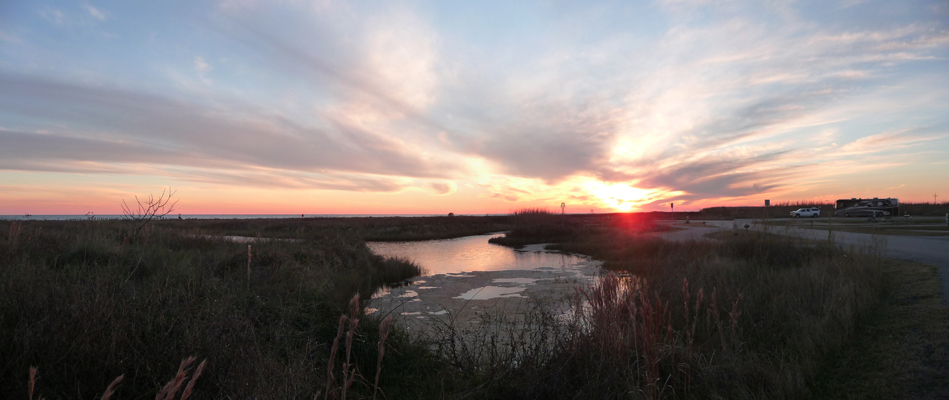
x,y
622,197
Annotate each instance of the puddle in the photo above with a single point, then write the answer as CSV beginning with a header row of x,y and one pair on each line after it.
x,y
490,292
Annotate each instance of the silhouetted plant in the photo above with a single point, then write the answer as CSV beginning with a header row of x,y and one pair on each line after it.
x,y
152,208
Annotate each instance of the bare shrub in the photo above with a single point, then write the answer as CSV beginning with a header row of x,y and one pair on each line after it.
x,y
151,208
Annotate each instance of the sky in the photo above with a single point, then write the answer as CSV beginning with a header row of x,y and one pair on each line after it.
x,y
431,107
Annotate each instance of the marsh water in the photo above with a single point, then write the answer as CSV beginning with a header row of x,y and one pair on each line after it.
x,y
471,253
466,277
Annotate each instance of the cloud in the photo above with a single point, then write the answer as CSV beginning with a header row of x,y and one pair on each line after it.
x,y
203,68
551,143
507,197
685,99
96,13
887,141
377,69
53,15
7,37
133,127
443,187
201,65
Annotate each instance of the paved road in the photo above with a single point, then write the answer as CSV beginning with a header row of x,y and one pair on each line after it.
x,y
932,250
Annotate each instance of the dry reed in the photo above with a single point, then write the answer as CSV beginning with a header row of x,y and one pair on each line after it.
x,y
349,369
171,388
33,382
383,335
330,380
350,374
167,392
635,331
109,391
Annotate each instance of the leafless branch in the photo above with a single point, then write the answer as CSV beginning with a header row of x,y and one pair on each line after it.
x,y
152,208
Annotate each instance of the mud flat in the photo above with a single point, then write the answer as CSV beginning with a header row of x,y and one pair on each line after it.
x,y
466,299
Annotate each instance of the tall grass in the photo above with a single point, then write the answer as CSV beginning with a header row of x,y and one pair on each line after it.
x,y
925,209
168,392
531,211
752,317
84,302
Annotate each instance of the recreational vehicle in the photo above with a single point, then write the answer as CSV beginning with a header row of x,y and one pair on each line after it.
x,y
873,208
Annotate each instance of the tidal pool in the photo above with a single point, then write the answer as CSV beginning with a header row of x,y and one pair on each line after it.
x,y
466,278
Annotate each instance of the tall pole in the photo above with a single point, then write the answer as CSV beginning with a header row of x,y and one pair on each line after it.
x,y
673,207
563,216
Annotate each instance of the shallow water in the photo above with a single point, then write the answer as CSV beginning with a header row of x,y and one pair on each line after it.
x,y
490,292
466,278
471,253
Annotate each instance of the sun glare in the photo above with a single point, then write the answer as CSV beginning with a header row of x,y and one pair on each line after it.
x,y
619,196
624,198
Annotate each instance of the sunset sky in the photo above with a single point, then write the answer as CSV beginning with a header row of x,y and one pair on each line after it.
x,y
430,107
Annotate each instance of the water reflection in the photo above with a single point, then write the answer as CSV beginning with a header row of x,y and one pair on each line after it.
x,y
468,278
471,253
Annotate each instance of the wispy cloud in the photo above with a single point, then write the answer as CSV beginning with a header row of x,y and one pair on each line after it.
x,y
146,129
53,15
888,141
202,67
8,37
687,100
96,13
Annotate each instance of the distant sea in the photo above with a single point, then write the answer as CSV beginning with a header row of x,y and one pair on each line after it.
x,y
215,216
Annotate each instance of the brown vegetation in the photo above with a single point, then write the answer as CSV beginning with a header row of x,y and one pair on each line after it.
x,y
83,304
753,316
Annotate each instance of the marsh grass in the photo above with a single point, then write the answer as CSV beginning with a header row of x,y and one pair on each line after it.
x,y
753,316
85,302
925,209
363,228
168,392
532,226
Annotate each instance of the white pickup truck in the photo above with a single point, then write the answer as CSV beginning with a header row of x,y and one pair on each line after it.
x,y
813,212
